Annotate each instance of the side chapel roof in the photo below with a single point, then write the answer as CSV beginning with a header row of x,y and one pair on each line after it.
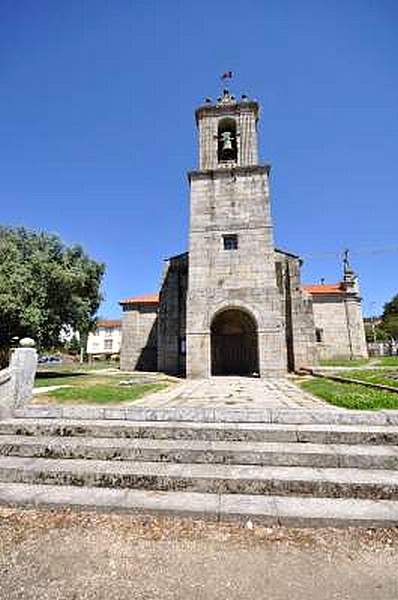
x,y
325,288
143,299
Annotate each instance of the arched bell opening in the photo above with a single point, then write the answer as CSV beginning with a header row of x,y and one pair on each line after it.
x,y
227,144
234,344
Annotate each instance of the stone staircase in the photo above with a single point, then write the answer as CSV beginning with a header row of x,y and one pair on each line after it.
x,y
308,474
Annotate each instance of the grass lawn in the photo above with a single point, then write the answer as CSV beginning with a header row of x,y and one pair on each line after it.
x,y
386,377
386,361
83,386
46,374
343,362
348,395
381,361
100,393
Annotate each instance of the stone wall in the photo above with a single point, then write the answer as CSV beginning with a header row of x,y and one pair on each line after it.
x,y
172,316
139,338
298,311
339,319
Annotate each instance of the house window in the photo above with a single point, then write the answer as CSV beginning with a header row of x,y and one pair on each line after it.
x,y
230,241
107,344
319,335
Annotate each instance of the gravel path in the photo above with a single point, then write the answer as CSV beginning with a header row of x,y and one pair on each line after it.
x,y
69,555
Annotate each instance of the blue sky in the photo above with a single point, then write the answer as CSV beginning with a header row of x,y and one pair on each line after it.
x,y
97,126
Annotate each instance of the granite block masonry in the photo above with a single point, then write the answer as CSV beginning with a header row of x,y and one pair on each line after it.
x,y
17,381
234,304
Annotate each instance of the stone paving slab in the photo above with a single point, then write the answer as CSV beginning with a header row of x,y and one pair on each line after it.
x,y
238,392
268,510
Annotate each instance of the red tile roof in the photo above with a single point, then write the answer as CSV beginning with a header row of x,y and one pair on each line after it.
x,y
109,323
324,288
144,299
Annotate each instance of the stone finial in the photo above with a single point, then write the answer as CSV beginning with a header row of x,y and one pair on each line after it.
x,y
226,98
348,271
27,343
349,276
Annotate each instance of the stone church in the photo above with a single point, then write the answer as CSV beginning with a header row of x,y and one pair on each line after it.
x,y
234,304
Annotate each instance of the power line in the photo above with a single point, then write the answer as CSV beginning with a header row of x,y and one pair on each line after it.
x,y
358,252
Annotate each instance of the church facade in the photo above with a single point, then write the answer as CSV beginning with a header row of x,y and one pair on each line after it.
x,y
234,304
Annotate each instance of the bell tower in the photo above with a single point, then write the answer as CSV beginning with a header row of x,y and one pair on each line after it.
x,y
234,313
227,133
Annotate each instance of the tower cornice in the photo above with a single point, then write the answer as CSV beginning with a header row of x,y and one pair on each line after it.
x,y
228,172
232,108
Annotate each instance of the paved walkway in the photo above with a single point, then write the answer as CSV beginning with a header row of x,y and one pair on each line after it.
x,y
234,392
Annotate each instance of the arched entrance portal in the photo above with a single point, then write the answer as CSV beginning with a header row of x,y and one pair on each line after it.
x,y
234,344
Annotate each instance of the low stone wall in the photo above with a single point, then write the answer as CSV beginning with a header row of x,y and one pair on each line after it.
x,y
6,387
17,380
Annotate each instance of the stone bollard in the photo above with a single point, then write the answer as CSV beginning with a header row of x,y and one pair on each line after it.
x,y
23,365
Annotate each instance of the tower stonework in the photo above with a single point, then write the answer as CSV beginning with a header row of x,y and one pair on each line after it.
x,y
234,311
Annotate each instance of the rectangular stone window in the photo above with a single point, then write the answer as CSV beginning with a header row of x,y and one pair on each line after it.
x,y
230,241
319,335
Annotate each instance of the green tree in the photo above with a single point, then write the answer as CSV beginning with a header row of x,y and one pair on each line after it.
x,y
375,333
73,345
390,317
44,286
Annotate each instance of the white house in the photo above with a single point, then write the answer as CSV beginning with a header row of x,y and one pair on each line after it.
x,y
106,339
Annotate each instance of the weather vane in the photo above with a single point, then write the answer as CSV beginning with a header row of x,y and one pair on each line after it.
x,y
226,75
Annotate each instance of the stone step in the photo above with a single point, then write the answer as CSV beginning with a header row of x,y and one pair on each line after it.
x,y
255,432
260,510
328,414
234,479
202,451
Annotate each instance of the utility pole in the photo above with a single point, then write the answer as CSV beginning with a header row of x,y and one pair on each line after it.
x,y
372,309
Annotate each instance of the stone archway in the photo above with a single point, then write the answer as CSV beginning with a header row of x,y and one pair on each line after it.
x,y
234,344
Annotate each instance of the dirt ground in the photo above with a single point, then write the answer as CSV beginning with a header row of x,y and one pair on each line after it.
x,y
77,556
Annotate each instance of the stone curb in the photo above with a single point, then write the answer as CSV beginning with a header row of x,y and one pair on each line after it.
x,y
339,379
207,415
268,511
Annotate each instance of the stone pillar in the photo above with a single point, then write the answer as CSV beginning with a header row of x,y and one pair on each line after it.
x,y
355,327
198,355
23,367
272,352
